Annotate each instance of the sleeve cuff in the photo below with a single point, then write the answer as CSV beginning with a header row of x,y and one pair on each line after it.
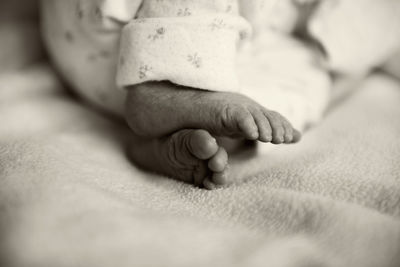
x,y
197,52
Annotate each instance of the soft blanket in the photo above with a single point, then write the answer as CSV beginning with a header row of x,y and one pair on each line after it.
x,y
70,197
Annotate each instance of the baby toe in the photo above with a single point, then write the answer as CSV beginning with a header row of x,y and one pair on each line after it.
x,y
219,161
202,145
208,184
264,128
221,178
277,127
247,125
288,136
296,136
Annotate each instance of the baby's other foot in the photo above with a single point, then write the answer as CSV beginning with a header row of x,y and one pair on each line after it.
x,y
159,108
187,155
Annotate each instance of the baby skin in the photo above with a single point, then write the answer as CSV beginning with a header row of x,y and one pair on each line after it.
x,y
175,127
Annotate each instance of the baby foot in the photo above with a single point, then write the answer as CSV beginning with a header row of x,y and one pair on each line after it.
x,y
187,155
159,108
242,116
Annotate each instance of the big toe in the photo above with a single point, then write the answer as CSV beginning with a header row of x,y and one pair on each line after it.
x,y
202,145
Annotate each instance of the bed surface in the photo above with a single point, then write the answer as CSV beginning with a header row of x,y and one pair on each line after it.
x,y
70,197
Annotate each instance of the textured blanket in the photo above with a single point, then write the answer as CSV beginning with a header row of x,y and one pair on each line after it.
x,y
70,197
